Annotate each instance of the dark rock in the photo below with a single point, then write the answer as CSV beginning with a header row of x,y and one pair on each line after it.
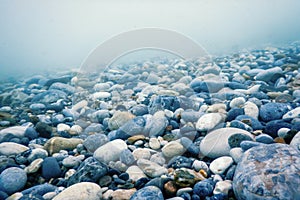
x,y
245,145
233,113
204,188
236,139
272,127
264,138
92,142
40,189
272,111
268,172
254,123
43,129
51,168
90,170
240,125
180,161
31,133
31,197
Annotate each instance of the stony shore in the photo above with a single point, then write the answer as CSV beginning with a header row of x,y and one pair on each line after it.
x,y
210,128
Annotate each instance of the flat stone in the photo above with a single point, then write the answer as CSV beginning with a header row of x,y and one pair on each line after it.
x,y
79,191
34,166
172,149
110,151
50,168
268,74
221,164
151,169
12,180
268,172
264,138
55,144
16,131
11,148
213,144
118,119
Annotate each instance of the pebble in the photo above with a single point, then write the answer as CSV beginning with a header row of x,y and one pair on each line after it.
x,y
208,121
154,143
296,141
269,176
16,131
269,74
251,109
204,188
135,173
83,190
50,168
272,111
151,169
55,144
172,149
122,194
295,113
200,165
264,138
93,142
110,151
141,153
118,119
213,144
11,148
127,157
221,164
237,102
149,192
236,154
34,166
223,187
12,179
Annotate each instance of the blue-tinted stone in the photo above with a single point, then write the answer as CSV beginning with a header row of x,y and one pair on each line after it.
x,y
139,110
126,157
235,85
90,170
40,189
245,145
236,139
43,129
254,123
51,168
149,192
272,111
180,161
12,180
264,138
141,182
240,125
163,102
233,113
31,133
272,127
204,188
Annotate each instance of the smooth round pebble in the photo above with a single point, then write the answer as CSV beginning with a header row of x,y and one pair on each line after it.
x,y
12,180
220,165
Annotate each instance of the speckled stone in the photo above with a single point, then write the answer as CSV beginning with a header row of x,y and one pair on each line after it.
x,y
12,180
268,172
149,192
79,191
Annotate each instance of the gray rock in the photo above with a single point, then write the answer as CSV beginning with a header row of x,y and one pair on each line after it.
x,y
221,164
208,121
172,149
264,138
126,157
118,119
11,148
268,172
155,125
68,89
12,180
135,173
110,151
151,169
93,142
213,144
15,131
268,74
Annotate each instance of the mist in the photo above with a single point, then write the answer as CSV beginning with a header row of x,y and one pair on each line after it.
x,y
42,35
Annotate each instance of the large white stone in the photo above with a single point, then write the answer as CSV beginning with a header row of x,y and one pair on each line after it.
x,y
215,144
79,191
11,148
110,151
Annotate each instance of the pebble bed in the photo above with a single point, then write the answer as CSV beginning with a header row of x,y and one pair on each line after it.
x,y
210,128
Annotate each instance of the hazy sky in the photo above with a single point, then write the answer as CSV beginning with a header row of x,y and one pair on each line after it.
x,y
37,34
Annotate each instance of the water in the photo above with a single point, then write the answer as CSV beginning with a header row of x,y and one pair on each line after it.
x,y
36,36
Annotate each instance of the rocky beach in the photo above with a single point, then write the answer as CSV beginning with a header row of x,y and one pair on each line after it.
x,y
213,128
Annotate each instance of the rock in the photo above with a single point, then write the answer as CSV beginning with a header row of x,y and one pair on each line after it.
x,y
122,194
156,125
251,109
151,169
170,188
131,128
221,164
49,96
118,119
34,166
264,138
296,141
55,144
68,89
272,171
184,177
254,123
295,113
11,148
237,102
90,170
12,179
149,192
43,129
110,151
36,154
236,154
208,121
200,165
158,158
50,168
272,111
84,190
235,139
213,144
15,131
245,145
127,157
269,75
223,187
37,108
72,161
135,138
154,143
135,173
272,127
172,149
100,95
93,142
141,153
204,188
160,103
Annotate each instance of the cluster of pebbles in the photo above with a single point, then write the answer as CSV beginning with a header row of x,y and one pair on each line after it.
x,y
220,128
